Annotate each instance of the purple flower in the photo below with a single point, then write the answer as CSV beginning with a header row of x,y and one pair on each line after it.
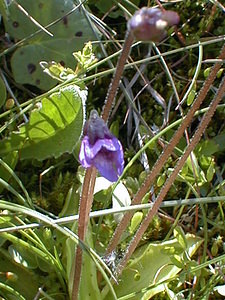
x,y
101,149
149,24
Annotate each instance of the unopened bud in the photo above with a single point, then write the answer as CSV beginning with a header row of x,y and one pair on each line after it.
x,y
150,24
9,103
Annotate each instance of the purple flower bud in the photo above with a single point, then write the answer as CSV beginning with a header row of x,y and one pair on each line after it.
x,y
100,148
149,24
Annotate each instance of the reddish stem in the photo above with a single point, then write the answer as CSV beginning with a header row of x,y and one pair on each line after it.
x,y
89,179
166,153
85,207
195,140
117,76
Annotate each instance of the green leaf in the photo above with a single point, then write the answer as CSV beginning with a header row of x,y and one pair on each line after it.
x,y
191,97
52,130
192,162
69,35
23,275
161,179
180,236
206,72
212,146
89,289
23,256
4,9
85,59
210,171
220,141
153,266
106,7
135,221
11,160
177,261
207,148
2,92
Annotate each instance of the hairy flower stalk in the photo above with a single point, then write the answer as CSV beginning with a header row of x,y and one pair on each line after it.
x,y
162,159
101,149
194,141
147,24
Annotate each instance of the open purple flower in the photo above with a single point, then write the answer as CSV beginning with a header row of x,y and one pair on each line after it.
x,y
100,148
150,24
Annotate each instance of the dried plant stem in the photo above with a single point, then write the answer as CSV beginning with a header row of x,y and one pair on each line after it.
x,y
166,153
117,76
85,207
196,138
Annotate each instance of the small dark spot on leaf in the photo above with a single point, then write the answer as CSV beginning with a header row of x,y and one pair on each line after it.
x,y
38,81
65,21
62,63
79,33
40,5
15,24
62,11
21,52
31,68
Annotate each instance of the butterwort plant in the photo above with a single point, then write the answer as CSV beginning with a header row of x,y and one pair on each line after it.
x,y
101,149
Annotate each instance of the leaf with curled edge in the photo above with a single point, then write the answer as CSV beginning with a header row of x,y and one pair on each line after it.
x,y
53,129
150,266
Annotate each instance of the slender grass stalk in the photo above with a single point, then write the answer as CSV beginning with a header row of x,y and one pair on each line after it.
x,y
48,258
179,214
23,10
124,209
195,77
41,292
205,230
13,174
177,96
7,186
12,291
66,232
30,103
196,138
166,153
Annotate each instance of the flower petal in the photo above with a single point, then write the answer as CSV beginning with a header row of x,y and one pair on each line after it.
x,y
109,163
106,167
84,160
109,144
101,149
